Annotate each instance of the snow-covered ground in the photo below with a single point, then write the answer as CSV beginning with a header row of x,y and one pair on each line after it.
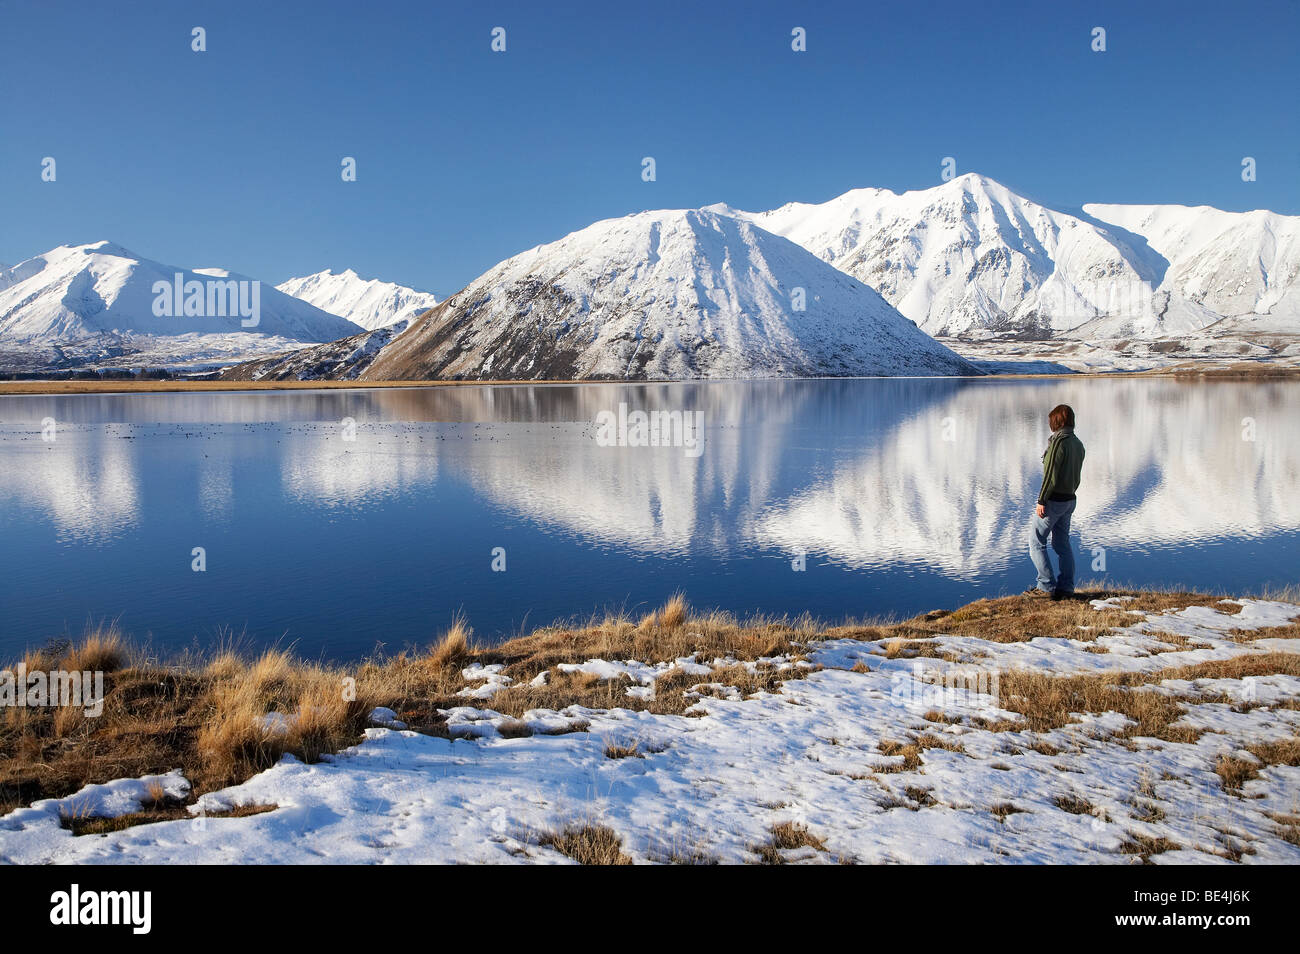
x,y
1226,344
713,783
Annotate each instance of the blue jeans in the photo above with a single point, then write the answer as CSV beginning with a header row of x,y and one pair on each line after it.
x,y
1055,525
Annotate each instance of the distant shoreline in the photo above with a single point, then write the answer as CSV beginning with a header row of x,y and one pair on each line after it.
x,y
1245,369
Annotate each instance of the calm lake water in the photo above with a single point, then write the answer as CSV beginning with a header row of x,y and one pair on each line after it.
x,y
904,495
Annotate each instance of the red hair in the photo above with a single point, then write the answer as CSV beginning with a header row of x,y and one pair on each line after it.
x,y
1062,416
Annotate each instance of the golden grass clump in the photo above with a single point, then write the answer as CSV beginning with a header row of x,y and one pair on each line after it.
x,y
103,650
910,752
454,647
587,844
223,666
673,613
276,705
1048,702
615,750
787,836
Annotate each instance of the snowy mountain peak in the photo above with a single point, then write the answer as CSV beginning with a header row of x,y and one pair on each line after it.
x,y
972,256
680,293
101,290
719,208
1242,266
104,246
369,303
974,182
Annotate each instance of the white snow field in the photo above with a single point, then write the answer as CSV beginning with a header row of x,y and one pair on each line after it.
x,y
712,786
367,302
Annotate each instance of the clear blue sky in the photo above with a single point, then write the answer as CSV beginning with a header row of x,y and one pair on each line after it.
x,y
465,157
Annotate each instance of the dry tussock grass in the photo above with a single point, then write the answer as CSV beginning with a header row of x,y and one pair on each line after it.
x,y
103,650
159,812
1014,619
1288,827
1235,772
587,845
615,750
787,836
208,716
1290,631
911,751
1048,702
1144,846
453,648
1281,752
1001,810
1074,804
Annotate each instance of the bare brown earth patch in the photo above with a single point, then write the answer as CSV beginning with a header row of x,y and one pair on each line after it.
x,y
95,825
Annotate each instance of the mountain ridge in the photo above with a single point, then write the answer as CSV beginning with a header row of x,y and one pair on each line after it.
x,y
971,257
103,287
665,294
367,302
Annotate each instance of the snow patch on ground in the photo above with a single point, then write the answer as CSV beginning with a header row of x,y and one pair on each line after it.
x,y
491,677
122,796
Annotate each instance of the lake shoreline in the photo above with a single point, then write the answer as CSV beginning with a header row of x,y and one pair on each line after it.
x,y
1010,706
1237,371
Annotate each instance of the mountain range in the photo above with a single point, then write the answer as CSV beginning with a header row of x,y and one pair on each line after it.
x,y
89,303
972,257
370,303
670,294
860,284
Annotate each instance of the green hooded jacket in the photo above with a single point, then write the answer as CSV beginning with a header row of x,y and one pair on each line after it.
x,y
1062,464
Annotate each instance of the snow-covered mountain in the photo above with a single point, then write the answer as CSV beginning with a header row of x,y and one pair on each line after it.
x,y
341,360
970,256
101,302
6,278
1238,265
667,294
369,303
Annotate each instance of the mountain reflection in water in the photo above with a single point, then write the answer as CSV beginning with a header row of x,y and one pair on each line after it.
x,y
904,494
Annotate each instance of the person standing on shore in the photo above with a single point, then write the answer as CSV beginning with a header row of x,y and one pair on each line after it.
x,y
1062,464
